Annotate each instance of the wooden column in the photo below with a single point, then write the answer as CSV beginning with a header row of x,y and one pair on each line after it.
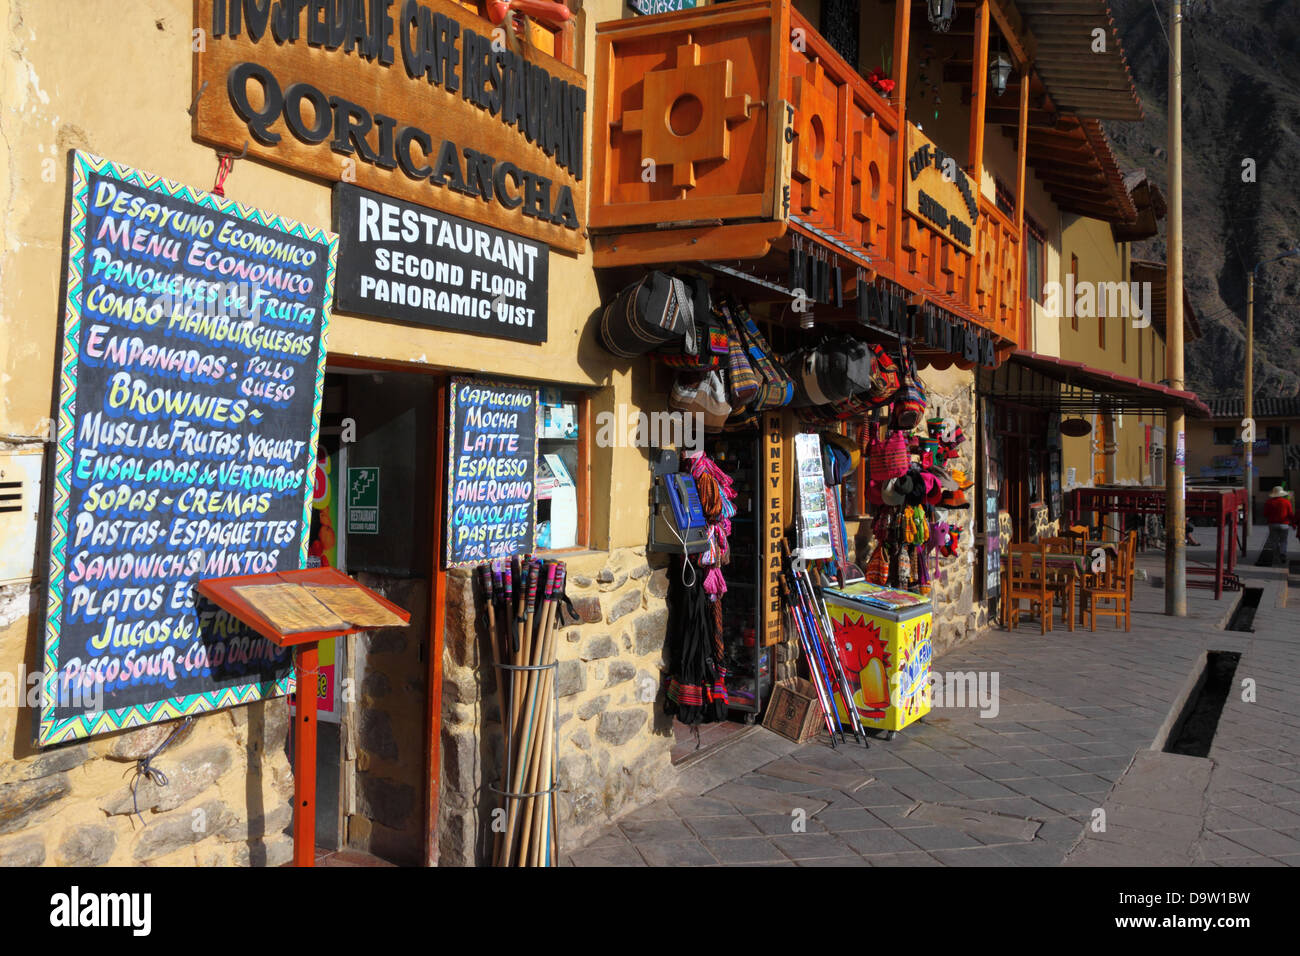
x,y
902,39
1022,148
437,618
979,80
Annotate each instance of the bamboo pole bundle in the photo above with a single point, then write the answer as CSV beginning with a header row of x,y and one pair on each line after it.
x,y
523,602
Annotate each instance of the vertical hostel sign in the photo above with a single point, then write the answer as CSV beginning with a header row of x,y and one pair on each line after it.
x,y
188,412
492,471
417,99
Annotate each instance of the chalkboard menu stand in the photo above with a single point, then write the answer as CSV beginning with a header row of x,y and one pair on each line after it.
x,y
221,592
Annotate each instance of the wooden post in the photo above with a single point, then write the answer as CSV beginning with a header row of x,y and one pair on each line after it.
x,y
304,757
1022,151
1175,463
437,603
902,38
979,81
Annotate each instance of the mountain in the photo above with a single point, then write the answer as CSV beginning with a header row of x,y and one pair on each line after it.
x,y
1241,101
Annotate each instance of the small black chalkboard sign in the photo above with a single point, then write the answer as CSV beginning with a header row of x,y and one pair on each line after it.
x,y
491,471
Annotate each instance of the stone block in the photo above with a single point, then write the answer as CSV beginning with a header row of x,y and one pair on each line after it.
x,y
140,743
581,739
88,844
581,581
620,726
180,830
575,771
593,707
639,571
624,606
272,852
376,685
263,825
386,801
22,851
658,585
188,775
598,647
620,672
650,630
57,760
647,687
589,609
571,678
460,760
22,804
377,734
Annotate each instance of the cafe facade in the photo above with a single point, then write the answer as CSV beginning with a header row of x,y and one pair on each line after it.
x,y
473,190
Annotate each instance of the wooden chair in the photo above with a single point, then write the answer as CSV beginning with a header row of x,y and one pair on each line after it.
x,y
1027,580
1062,582
1115,586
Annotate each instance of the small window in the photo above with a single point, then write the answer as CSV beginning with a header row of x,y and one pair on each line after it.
x,y
1224,435
561,469
1101,329
1277,434
1033,267
1074,271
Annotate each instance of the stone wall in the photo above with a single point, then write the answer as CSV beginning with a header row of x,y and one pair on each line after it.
x,y
227,802
384,730
615,741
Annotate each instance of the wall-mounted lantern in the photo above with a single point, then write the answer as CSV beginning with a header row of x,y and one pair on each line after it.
x,y
940,13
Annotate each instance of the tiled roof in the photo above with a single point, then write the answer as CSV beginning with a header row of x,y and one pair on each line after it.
x,y
1264,407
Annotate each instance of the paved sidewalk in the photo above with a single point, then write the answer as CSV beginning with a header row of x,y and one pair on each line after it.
x,y
1078,712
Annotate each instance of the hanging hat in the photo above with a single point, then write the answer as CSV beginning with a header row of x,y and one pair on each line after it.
x,y
705,393
912,485
1278,492
946,481
847,444
933,489
892,493
959,476
875,494
954,499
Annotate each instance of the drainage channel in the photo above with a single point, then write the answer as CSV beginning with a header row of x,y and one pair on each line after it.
x,y
1193,733
1243,618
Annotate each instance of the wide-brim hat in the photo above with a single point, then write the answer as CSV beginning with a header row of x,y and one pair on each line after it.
x,y
846,444
892,493
953,499
946,481
1278,492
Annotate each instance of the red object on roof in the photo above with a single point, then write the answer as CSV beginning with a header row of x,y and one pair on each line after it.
x,y
1121,390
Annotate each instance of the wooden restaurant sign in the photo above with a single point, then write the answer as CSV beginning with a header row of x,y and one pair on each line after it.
x,y
939,192
417,99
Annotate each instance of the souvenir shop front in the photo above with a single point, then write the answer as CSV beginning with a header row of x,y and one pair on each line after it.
x,y
817,282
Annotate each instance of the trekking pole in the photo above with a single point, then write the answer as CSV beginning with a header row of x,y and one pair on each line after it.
x,y
813,667
833,651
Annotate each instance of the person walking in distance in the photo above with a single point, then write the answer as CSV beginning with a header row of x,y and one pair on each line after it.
x,y
1279,515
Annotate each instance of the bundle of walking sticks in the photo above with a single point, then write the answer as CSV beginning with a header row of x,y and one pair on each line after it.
x,y
523,618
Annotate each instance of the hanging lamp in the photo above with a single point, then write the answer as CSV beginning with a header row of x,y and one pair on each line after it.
x,y
940,13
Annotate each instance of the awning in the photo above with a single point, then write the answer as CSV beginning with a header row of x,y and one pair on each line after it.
x,y
1075,388
1142,270
1082,80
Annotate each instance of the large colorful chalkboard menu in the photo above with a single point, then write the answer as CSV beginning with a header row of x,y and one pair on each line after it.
x,y
189,405
491,471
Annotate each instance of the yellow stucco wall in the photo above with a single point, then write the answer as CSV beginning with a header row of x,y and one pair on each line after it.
x,y
114,79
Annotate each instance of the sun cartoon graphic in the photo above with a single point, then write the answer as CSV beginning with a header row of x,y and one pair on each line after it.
x,y
865,660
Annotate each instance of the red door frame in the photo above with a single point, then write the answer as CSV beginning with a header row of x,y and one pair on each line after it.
x,y
437,588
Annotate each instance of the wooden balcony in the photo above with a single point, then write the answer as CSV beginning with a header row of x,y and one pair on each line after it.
x,y
730,132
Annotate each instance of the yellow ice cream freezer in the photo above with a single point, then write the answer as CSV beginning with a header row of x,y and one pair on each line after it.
x,y
883,638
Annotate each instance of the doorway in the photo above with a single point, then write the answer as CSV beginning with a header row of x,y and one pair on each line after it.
x,y
375,517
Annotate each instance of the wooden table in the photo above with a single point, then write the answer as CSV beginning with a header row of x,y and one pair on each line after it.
x,y
306,646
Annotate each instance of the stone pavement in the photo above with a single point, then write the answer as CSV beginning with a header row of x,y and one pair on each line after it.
x,y
1077,716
